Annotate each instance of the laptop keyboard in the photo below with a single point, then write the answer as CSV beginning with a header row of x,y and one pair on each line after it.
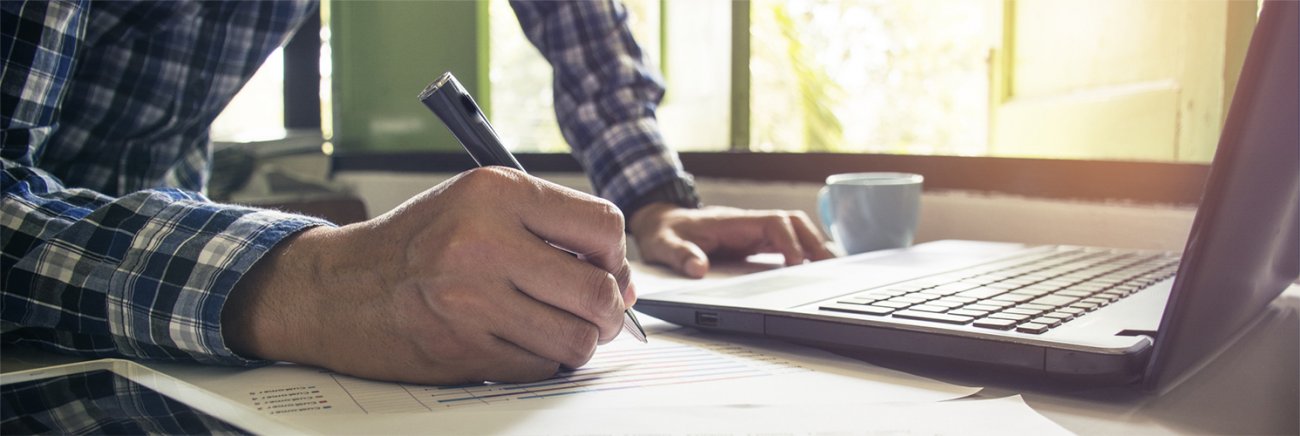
x,y
1030,295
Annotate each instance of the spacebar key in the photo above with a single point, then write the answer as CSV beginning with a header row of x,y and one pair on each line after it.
x,y
931,316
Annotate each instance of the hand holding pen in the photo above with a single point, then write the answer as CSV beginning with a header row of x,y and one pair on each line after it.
x,y
458,111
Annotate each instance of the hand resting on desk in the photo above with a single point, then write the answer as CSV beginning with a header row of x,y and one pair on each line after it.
x,y
458,284
684,239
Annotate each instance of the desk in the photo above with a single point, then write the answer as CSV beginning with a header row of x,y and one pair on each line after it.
x,y
1253,388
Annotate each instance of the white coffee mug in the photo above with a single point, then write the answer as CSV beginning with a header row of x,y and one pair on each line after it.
x,y
870,211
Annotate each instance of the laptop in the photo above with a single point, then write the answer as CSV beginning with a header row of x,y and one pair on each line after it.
x,y
1092,313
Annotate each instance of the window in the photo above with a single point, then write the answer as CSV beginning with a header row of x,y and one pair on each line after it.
x,y
257,112
870,76
1138,80
958,90
693,110
1080,79
521,97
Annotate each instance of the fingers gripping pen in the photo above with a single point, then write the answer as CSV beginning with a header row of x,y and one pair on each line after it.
x,y
457,110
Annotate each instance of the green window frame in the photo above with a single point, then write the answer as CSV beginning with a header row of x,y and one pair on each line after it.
x,y
401,137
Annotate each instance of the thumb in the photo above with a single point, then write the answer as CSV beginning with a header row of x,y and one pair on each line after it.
x,y
681,255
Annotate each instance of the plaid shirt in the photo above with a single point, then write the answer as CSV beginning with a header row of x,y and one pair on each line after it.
x,y
110,249
605,95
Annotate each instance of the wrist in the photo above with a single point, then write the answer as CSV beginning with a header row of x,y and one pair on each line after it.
x,y
647,218
676,193
267,314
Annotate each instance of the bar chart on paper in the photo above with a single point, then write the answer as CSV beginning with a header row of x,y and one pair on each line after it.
x,y
622,365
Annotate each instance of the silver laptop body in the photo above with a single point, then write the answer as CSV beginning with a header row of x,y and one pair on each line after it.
x,y
1244,250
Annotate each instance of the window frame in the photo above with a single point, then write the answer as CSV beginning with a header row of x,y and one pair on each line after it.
x,y
1167,183
1084,180
302,76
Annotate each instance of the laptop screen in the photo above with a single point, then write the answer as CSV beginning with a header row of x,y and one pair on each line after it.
x,y
1243,248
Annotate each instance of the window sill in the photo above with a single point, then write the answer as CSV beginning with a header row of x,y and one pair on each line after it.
x,y
1138,182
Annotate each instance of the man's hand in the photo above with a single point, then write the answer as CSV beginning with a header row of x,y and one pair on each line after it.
x,y
684,239
458,284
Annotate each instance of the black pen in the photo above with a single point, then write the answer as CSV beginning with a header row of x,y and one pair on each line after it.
x,y
457,110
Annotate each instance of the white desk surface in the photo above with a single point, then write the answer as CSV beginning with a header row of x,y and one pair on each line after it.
x,y
1252,388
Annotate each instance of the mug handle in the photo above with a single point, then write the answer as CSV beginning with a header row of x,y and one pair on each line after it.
x,y
825,210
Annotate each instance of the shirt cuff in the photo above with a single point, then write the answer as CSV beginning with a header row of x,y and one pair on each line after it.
x,y
679,191
215,261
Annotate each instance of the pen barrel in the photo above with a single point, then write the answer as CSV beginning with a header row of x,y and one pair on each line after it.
x,y
463,117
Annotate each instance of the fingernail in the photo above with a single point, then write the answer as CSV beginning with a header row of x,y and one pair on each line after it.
x,y
695,267
629,295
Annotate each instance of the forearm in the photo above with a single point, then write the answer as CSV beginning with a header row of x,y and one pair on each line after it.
x,y
266,315
606,93
141,276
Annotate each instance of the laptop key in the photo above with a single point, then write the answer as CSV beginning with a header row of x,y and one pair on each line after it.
x,y
1054,300
931,316
930,308
1013,298
1097,301
1032,327
1010,316
983,307
891,304
1061,315
1086,306
1022,311
969,312
865,310
952,288
945,304
981,292
956,299
910,299
996,303
995,323
1048,321
1030,292
1038,307
881,295
1072,292
1090,287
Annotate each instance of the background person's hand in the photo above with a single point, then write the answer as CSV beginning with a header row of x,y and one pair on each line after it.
x,y
458,284
684,239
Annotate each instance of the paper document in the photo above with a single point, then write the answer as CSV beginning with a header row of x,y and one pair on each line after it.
x,y
681,372
678,367
1002,416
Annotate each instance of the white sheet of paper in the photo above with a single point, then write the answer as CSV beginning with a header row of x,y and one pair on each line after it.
x,y
677,368
682,372
1000,416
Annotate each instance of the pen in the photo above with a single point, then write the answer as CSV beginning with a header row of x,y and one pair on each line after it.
x,y
457,110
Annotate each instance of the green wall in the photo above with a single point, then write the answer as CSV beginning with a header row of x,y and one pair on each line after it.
x,y
385,53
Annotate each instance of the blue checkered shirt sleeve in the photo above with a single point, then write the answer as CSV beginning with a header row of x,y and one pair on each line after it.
x,y
605,95
109,246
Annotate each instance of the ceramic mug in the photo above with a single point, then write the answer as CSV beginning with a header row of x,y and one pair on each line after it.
x,y
870,211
